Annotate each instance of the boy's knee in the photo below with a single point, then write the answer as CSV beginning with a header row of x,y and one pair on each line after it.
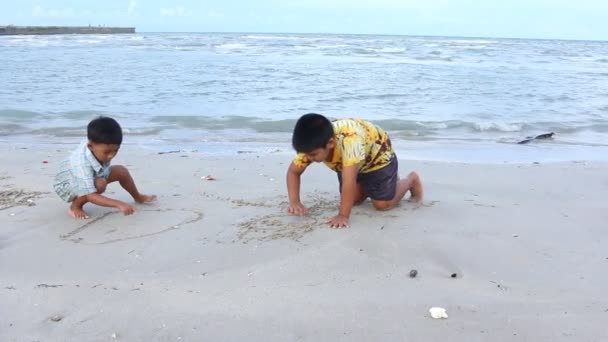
x,y
118,173
382,205
100,185
414,175
120,170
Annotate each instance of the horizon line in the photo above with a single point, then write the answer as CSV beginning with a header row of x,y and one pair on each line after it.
x,y
326,33
378,34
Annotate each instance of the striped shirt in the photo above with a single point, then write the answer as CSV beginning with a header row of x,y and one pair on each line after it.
x,y
77,174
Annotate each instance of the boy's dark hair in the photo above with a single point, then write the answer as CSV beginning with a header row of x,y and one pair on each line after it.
x,y
104,130
312,131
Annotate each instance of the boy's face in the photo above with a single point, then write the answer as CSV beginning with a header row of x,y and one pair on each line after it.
x,y
322,154
103,152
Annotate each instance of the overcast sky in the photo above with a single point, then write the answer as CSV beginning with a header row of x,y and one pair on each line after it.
x,y
565,19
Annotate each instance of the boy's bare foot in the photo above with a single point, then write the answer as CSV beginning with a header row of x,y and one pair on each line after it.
x,y
415,199
77,213
416,189
145,198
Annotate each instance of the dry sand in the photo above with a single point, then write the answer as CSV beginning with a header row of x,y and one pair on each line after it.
x,y
221,261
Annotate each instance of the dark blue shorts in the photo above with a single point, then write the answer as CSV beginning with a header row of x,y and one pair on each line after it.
x,y
380,184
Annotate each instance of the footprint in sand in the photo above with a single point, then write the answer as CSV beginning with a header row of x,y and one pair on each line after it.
x,y
113,227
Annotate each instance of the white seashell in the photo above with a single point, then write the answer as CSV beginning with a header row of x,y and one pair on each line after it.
x,y
438,313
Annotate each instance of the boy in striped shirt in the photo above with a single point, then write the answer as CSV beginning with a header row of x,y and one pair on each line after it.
x,y
83,177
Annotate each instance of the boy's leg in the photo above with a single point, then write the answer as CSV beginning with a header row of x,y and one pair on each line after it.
x,y
76,208
386,189
121,174
414,185
360,195
411,183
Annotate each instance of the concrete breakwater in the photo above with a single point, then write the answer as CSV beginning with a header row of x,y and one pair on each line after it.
x,y
41,30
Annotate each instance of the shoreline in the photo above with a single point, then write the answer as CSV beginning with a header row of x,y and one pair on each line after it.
x,y
476,152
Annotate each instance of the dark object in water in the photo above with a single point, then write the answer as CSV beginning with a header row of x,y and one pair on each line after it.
x,y
413,273
541,136
454,275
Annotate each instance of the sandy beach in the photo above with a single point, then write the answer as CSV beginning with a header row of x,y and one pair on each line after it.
x,y
222,261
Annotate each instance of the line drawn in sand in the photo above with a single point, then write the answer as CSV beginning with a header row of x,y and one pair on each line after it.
x,y
71,236
279,225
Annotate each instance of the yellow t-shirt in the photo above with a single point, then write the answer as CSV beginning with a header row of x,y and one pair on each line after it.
x,y
358,142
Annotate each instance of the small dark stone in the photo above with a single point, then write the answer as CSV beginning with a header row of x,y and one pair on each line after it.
x,y
413,273
56,318
360,249
454,275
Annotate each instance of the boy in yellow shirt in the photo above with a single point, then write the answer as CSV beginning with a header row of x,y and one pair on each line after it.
x,y
363,157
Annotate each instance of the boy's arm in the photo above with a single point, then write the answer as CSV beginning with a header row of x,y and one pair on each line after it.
x,y
293,189
104,201
347,197
349,189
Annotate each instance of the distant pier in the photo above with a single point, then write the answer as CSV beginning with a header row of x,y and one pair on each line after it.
x,y
43,30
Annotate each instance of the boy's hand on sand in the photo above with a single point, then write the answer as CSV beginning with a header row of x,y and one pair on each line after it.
x,y
126,209
338,221
297,209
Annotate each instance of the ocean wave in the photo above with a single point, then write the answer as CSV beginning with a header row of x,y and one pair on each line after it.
x,y
231,46
69,132
236,128
557,98
7,129
499,127
364,51
19,114
465,127
149,131
391,50
280,37
54,120
80,114
360,97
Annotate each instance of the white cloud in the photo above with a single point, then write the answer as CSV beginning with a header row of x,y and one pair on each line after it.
x,y
173,12
132,6
179,11
366,4
213,14
39,11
